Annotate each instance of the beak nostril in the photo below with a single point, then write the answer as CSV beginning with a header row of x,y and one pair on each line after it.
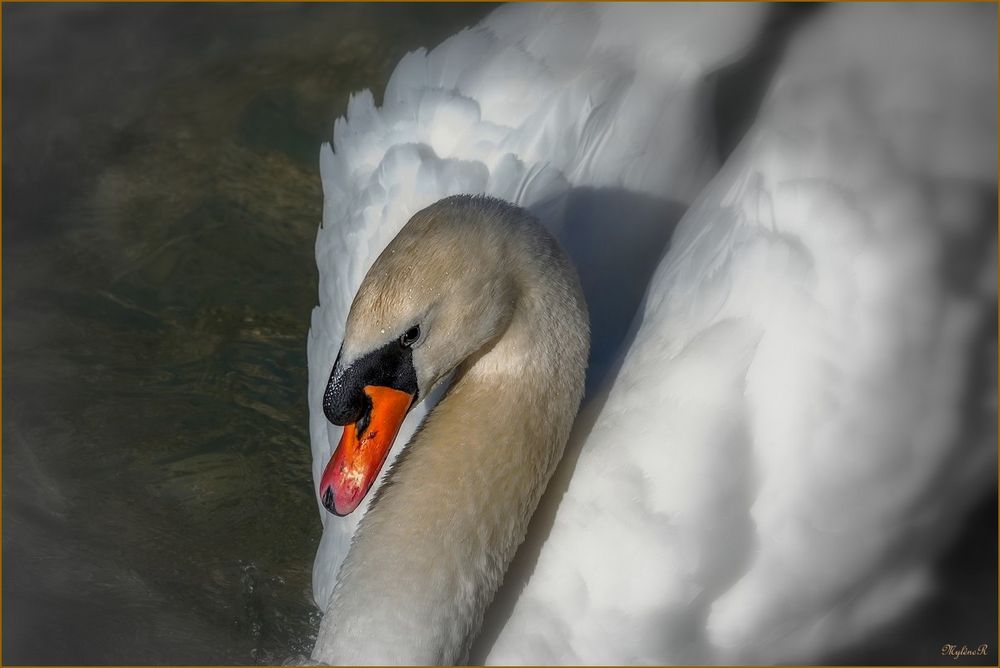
x,y
361,424
328,500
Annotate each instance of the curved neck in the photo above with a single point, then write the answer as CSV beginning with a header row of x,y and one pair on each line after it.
x,y
432,550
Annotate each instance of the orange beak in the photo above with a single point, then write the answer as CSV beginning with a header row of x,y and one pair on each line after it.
x,y
361,452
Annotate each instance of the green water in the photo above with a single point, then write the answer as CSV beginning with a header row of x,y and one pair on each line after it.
x,y
162,198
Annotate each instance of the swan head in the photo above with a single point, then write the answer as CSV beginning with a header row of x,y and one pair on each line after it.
x,y
441,291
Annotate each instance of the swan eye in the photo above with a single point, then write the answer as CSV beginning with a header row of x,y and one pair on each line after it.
x,y
410,336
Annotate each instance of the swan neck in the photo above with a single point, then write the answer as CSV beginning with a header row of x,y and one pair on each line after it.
x,y
432,550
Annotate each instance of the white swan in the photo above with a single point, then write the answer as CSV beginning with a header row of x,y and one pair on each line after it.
x,y
762,481
477,285
532,105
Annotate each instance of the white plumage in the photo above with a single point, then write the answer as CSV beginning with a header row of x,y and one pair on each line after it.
x,y
536,101
768,473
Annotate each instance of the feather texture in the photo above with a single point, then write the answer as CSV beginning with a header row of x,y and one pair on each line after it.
x,y
788,423
796,416
532,103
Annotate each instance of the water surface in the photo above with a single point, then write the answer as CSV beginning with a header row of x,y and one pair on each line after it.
x,y
160,167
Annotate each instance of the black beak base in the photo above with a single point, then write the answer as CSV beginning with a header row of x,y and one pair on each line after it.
x,y
345,401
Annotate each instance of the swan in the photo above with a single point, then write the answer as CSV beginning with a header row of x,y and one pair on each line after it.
x,y
761,479
562,109
476,285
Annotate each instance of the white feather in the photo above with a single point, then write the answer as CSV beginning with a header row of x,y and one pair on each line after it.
x,y
767,475
503,109
772,470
